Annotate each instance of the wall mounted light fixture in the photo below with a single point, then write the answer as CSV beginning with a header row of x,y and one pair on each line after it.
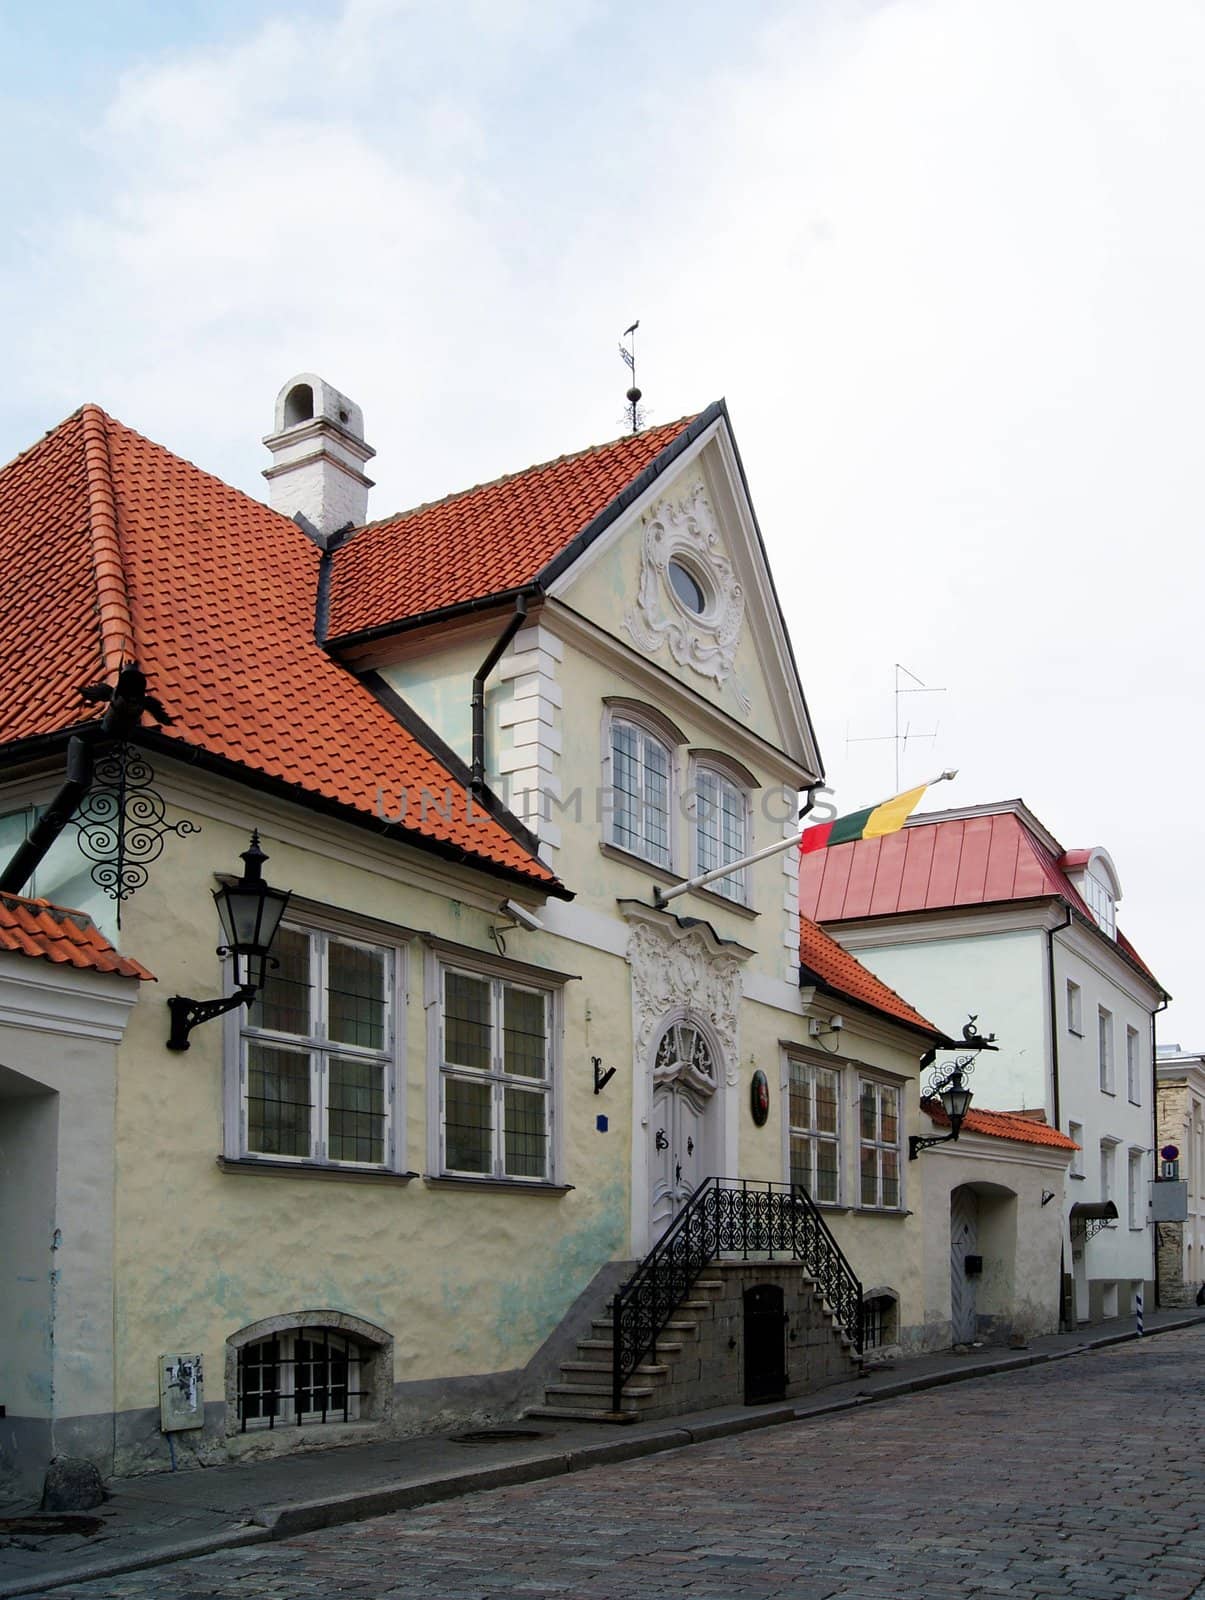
x,y
949,1085
249,911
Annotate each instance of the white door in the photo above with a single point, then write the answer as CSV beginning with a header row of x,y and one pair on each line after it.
x,y
964,1242
677,1152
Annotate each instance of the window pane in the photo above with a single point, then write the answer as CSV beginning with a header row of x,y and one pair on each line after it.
x,y
800,1108
656,800
826,1101
466,1020
826,1171
870,1175
468,1125
801,1163
891,1177
357,995
283,1004
320,1377
278,1101
356,1110
526,1129
625,781
523,1033
259,1380
869,1118
888,1109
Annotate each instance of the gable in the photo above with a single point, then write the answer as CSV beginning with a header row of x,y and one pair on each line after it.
x,y
681,579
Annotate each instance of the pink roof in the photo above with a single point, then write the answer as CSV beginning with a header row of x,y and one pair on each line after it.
x,y
939,864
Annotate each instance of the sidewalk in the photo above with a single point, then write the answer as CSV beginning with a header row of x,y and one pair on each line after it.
x,y
170,1516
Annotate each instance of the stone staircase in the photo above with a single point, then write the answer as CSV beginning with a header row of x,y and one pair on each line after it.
x,y
699,1356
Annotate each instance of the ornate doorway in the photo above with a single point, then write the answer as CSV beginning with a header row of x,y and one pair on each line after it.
x,y
684,1082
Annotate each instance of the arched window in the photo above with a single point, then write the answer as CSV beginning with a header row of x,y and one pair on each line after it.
x,y
306,1369
880,1320
641,789
684,1053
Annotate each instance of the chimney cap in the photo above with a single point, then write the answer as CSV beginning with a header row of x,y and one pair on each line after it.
x,y
306,398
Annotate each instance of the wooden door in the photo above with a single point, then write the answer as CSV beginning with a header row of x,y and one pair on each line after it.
x,y
677,1152
964,1242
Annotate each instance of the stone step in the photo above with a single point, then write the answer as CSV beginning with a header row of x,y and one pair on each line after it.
x,y
690,1329
579,1395
590,1349
566,1414
600,1372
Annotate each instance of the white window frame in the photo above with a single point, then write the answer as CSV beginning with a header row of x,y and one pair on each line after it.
x,y
736,886
1108,1170
1105,1050
1133,1066
650,728
880,1144
810,1135
239,1033
1135,1166
442,958
1075,1008
1075,1132
1101,903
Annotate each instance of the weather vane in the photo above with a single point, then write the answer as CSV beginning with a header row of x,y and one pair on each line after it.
x,y
635,412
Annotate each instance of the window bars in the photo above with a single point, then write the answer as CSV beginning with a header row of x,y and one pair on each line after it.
x,y
308,1377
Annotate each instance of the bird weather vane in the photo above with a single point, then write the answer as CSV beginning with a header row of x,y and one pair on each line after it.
x,y
634,413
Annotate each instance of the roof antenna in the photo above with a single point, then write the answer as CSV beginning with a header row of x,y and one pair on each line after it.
x,y
635,413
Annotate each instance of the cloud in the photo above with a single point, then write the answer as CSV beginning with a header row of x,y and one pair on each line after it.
x,y
941,258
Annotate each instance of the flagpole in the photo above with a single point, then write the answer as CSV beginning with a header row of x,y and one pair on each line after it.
x,y
662,897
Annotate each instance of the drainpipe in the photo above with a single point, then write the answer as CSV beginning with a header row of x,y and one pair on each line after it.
x,y
28,856
1066,1312
1155,1137
483,671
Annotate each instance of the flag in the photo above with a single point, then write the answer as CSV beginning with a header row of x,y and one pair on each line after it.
x,y
873,823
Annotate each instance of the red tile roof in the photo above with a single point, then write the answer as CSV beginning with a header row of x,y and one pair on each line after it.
x,y
489,540
1004,1125
938,863
842,973
37,928
113,546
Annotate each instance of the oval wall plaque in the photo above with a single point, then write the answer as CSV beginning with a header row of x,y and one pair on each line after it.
x,y
759,1098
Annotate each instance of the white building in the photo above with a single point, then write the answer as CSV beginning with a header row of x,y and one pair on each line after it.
x,y
981,908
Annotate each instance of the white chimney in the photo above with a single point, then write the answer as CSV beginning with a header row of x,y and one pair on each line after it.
x,y
318,451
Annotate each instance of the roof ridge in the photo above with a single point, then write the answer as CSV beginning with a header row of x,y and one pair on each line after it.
x,y
508,477
117,640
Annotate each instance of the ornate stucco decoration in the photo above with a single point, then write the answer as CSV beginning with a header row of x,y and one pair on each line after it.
x,y
684,530
674,971
684,1056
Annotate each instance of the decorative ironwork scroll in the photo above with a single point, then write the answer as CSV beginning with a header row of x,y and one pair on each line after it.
x,y
122,822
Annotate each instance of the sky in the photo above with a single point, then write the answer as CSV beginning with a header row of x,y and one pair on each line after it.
x,y
945,262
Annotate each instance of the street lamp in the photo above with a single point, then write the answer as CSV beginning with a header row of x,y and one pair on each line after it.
x,y
953,1090
249,911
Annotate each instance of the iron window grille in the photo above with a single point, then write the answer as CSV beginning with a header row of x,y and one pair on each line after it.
x,y
641,767
878,1322
317,1053
721,832
495,1078
302,1378
879,1146
815,1130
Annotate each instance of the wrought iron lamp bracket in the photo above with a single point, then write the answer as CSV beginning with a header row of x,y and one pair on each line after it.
x,y
188,1014
952,1075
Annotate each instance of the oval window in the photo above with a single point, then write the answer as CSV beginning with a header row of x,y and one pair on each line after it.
x,y
687,588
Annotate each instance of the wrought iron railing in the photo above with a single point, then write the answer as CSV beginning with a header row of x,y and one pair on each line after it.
x,y
728,1217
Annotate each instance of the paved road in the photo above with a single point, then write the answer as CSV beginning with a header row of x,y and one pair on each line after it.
x,y
1082,1478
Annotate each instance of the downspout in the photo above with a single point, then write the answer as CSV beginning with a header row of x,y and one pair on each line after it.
x,y
1163,1005
812,791
29,855
477,782
1066,1312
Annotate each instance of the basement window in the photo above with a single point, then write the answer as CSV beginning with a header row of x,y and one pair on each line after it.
x,y
300,1378
880,1322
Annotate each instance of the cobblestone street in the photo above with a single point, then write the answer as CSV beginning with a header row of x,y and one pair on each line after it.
x,y
1080,1478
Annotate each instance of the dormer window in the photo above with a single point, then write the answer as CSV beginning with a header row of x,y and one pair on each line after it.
x,y
1100,903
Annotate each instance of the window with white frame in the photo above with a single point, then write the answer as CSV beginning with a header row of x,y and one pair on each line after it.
x,y
815,1129
1075,1132
1133,1066
317,1051
1137,1191
1108,1148
1101,904
721,830
1075,1008
1104,1033
879,1145
495,1065
641,789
